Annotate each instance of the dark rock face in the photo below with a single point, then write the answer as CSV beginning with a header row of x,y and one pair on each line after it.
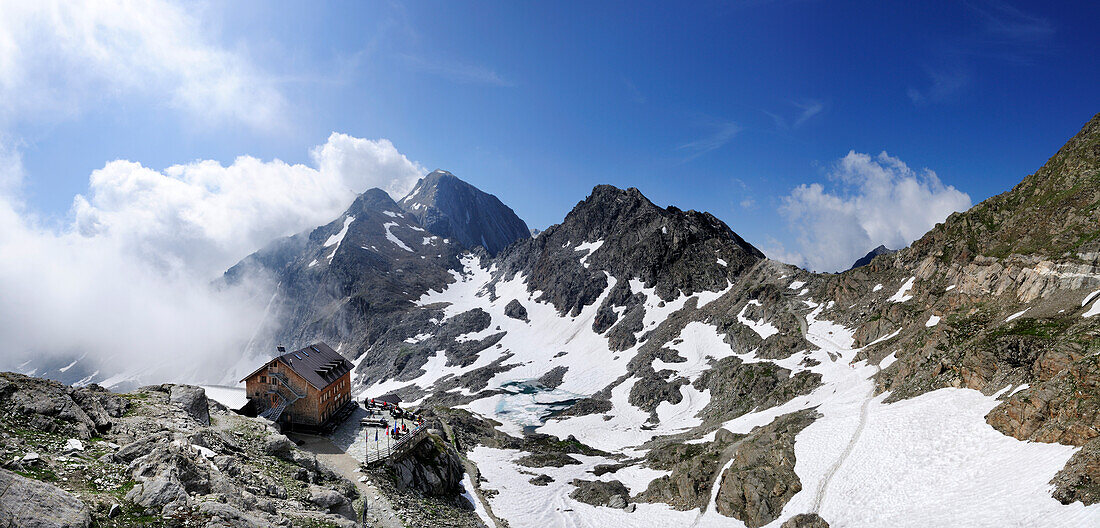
x,y
353,279
866,259
805,520
33,504
452,208
670,250
600,493
515,310
432,468
694,468
762,478
553,377
538,460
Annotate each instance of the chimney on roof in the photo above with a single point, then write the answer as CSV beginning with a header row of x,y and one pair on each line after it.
x,y
281,349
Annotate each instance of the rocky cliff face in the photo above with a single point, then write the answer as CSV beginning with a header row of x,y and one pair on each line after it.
x,y
452,208
620,233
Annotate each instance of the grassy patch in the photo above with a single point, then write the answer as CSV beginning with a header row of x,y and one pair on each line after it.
x,y
1041,328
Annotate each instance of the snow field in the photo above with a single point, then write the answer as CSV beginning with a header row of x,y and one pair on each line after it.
x,y
762,328
393,238
901,295
926,461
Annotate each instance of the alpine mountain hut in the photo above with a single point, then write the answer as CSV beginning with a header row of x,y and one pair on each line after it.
x,y
308,389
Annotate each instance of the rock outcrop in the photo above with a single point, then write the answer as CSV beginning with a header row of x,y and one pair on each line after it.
x,y
161,451
431,467
28,503
612,493
762,479
193,401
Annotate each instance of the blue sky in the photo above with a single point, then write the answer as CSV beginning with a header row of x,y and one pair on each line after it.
x,y
730,108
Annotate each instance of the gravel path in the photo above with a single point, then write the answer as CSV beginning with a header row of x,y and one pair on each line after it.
x,y
380,512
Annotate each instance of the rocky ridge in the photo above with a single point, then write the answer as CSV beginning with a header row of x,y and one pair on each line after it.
x,y
78,457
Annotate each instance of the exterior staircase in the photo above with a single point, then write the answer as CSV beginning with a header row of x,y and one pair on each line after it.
x,y
274,412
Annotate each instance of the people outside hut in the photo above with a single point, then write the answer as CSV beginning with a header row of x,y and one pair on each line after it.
x,y
398,430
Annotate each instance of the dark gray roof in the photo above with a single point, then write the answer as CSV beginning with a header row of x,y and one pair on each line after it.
x,y
318,363
390,398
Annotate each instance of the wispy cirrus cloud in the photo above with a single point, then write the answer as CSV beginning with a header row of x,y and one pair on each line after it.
x,y
1002,33
807,110
459,72
721,133
944,84
1003,20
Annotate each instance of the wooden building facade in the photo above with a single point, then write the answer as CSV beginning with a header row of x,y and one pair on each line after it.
x,y
307,387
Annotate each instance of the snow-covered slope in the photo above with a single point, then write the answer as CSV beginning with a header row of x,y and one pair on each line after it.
x,y
716,387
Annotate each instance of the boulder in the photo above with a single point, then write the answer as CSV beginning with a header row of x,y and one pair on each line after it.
x,y
805,520
193,401
326,498
432,468
600,493
157,492
278,445
29,503
515,310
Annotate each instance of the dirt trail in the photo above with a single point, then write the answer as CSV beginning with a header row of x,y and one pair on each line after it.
x,y
380,512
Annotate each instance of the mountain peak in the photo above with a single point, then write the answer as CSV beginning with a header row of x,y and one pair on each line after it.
x,y
866,259
438,175
452,208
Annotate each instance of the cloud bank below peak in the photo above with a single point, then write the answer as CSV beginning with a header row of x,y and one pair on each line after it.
x,y
871,200
202,217
127,284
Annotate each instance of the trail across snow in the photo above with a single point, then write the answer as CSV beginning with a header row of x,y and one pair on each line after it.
x,y
824,487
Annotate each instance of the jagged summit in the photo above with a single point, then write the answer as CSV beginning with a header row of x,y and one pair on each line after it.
x,y
866,259
452,208
619,232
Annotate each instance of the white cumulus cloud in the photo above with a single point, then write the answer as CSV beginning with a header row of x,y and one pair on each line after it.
x,y
128,282
203,216
872,200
